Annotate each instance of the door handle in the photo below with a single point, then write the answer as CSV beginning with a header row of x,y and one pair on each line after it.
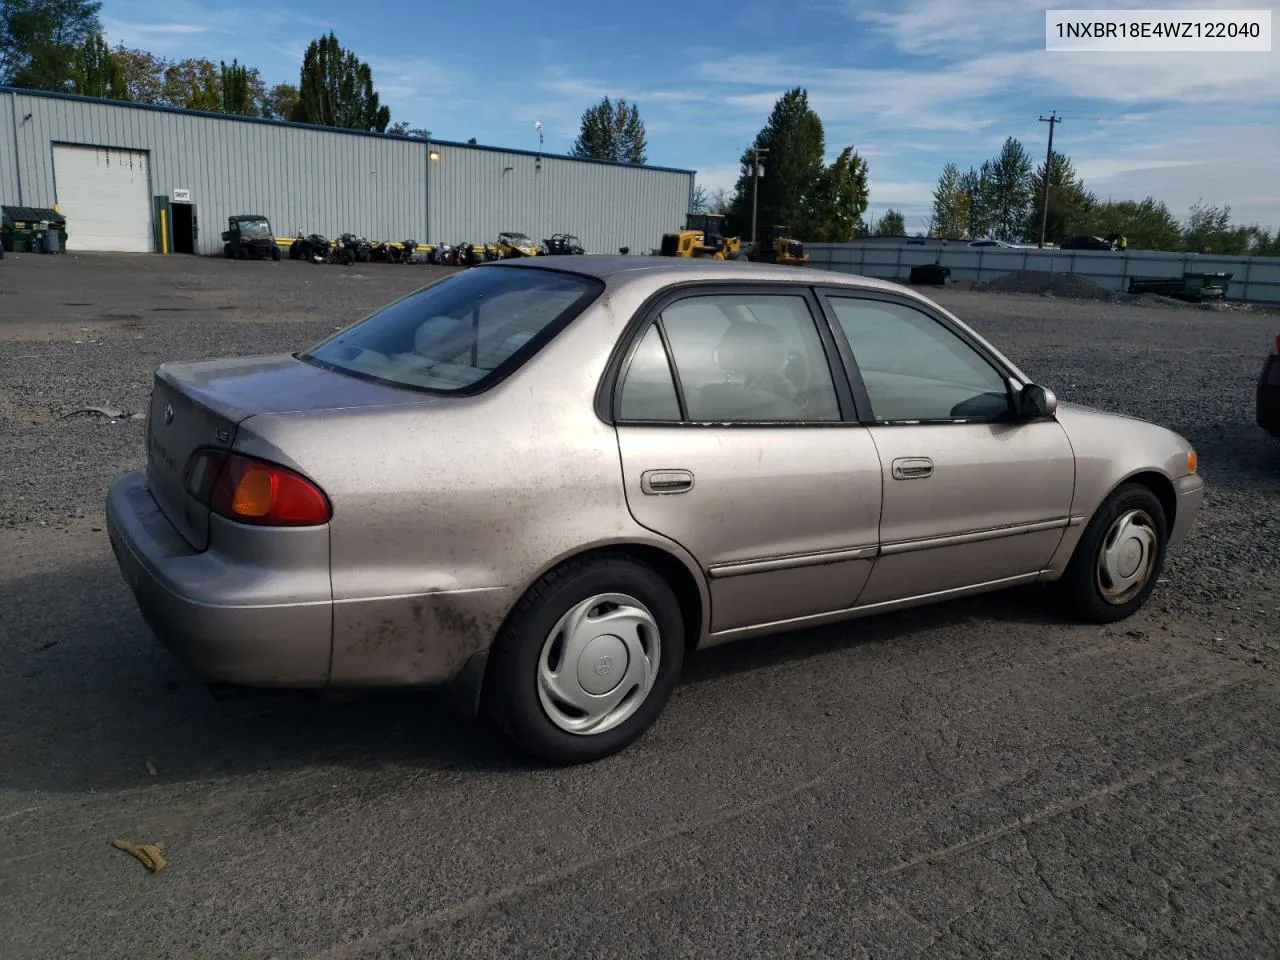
x,y
658,482
912,468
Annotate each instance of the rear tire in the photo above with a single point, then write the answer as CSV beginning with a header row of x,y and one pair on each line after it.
x,y
1119,558
587,661
275,252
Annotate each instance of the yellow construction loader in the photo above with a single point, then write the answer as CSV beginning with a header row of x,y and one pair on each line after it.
x,y
781,247
702,236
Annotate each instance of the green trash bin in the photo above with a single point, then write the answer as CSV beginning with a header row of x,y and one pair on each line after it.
x,y
21,224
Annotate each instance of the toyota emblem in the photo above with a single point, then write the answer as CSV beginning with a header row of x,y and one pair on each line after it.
x,y
168,414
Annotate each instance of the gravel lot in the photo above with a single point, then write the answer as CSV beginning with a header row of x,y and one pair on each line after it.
x,y
971,780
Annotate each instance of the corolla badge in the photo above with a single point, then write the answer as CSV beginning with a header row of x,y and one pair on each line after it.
x,y
168,414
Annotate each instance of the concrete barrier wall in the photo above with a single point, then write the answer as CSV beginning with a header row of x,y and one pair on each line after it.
x,y
1253,279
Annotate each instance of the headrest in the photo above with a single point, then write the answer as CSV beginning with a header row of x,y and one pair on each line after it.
x,y
751,350
442,338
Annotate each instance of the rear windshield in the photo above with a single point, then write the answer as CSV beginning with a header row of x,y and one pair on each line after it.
x,y
461,333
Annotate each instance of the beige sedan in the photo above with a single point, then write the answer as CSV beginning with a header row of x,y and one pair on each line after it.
x,y
540,483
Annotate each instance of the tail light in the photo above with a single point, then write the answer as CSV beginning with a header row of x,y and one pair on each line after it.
x,y
1275,346
251,490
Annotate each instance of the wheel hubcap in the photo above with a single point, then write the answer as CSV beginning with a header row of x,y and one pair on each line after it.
x,y
598,664
1128,557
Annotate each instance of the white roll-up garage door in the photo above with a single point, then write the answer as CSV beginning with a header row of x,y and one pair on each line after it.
x,y
105,194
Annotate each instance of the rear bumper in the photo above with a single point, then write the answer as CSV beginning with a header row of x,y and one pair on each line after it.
x,y
1268,402
1190,493
231,621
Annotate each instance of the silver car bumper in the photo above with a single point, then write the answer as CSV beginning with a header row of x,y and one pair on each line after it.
x,y
234,619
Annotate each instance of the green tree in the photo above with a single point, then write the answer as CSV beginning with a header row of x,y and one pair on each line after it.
x,y
611,131
832,212
1263,243
143,74
1145,224
237,96
975,202
40,41
281,102
950,204
1070,204
794,137
1209,230
97,72
892,224
1008,191
336,90
193,84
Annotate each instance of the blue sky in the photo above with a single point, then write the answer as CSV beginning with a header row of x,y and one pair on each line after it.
x,y
910,84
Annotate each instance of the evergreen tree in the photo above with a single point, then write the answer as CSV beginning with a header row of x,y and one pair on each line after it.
x,y
950,204
237,94
611,131
794,171
336,90
1070,204
1009,191
892,224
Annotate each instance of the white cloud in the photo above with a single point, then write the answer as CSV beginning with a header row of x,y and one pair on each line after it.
x,y
953,30
162,39
947,27
722,177
896,192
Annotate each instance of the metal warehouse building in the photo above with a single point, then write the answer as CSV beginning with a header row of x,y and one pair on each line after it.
x,y
111,168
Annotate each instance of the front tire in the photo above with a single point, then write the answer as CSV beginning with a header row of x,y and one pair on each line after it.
x,y
587,661
1119,558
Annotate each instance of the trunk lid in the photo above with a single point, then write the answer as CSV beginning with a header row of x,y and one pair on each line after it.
x,y
201,405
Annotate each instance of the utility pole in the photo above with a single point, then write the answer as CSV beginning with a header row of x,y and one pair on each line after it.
x,y
1052,120
757,171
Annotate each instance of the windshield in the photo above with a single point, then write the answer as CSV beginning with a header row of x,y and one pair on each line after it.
x,y
518,239
255,229
461,332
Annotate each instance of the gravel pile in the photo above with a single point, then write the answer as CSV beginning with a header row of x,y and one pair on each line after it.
x,y
1068,285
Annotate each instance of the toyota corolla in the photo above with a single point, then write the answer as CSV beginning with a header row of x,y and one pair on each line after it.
x,y
541,484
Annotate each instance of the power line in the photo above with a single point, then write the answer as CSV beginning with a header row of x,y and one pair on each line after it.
x,y
1052,120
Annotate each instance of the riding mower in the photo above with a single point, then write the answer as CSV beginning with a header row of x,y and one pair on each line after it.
x,y
702,236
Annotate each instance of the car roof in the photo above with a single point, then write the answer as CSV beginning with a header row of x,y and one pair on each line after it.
x,y
660,270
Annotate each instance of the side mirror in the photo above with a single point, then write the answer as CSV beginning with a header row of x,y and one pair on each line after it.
x,y
1034,401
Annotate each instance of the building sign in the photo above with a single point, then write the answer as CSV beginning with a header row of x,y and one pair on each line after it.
x,y
181,196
